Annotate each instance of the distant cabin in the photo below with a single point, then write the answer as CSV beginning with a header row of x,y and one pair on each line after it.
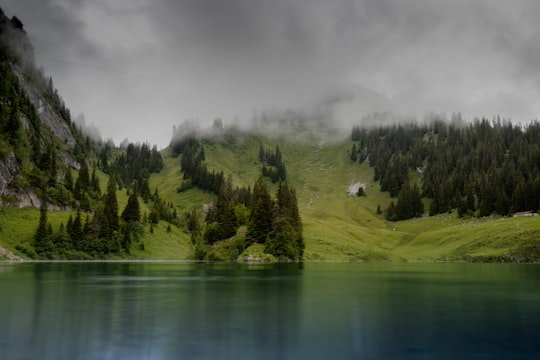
x,y
352,189
529,213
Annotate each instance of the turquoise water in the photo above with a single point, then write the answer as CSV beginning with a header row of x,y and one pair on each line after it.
x,y
162,310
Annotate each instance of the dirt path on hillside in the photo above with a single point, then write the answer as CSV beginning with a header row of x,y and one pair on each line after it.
x,y
9,254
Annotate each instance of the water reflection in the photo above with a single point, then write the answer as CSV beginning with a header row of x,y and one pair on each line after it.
x,y
150,311
280,311
426,311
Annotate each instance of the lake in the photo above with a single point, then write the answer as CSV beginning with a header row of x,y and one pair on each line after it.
x,y
179,310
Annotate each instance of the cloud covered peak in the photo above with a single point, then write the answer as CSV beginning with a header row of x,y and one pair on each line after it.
x,y
128,65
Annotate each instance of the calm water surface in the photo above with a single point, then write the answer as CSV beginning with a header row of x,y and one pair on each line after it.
x,y
280,311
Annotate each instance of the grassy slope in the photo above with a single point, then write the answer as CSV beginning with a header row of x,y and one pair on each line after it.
x,y
336,226
17,226
344,228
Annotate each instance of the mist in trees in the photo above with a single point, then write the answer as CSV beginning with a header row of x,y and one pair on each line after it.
x,y
481,168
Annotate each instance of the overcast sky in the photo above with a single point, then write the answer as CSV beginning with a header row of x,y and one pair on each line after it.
x,y
135,68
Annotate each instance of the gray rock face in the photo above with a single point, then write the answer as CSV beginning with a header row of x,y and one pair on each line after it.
x,y
45,111
25,198
9,168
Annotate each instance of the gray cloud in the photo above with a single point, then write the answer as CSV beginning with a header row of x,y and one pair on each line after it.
x,y
136,67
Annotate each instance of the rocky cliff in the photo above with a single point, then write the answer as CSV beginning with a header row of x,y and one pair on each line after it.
x,y
37,137
44,109
9,168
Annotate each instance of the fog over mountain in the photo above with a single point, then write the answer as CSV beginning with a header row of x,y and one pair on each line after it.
x,y
135,68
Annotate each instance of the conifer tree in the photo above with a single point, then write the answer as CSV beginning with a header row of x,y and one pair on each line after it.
x,y
40,236
68,180
110,209
13,126
409,203
354,155
260,223
126,239
86,228
94,182
192,221
44,246
285,240
261,153
83,180
100,226
69,225
132,212
225,210
77,230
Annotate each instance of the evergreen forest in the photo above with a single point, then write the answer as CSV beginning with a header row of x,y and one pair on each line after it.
x,y
478,169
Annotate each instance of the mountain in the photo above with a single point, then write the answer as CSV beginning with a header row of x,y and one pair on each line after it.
x,y
339,225
291,188
38,141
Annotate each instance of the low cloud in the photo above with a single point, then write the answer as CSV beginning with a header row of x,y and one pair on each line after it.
x,y
136,68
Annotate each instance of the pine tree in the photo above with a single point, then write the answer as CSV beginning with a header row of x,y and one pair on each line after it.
x,y
261,153
131,211
260,223
41,233
461,207
354,155
52,170
285,239
41,236
84,202
94,182
13,126
225,210
110,209
86,228
126,239
192,221
391,212
409,203
84,178
69,225
77,230
100,226
68,180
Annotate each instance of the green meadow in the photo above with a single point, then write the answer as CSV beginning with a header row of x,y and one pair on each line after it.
x,y
337,226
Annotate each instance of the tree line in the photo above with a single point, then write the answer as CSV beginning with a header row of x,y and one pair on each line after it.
x,y
95,234
106,231
131,167
481,168
273,165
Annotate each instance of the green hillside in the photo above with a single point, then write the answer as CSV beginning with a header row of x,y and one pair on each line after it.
x,y
339,227
65,195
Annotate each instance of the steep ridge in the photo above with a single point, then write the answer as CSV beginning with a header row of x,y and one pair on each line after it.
x,y
34,119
